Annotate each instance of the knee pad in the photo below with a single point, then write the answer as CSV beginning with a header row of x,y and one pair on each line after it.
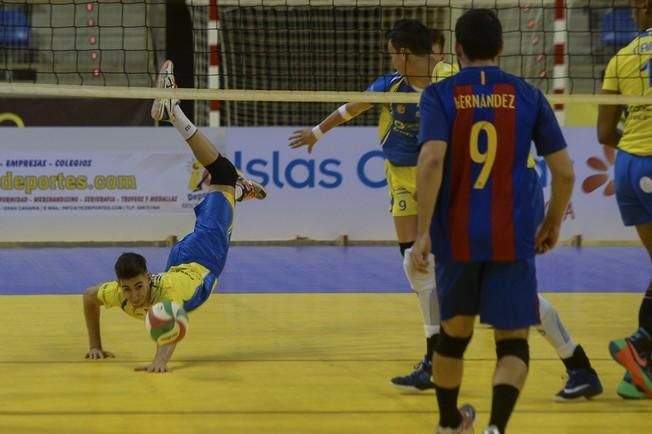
x,y
222,172
449,346
405,246
514,347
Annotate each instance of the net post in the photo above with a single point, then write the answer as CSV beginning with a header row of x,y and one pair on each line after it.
x,y
560,70
213,30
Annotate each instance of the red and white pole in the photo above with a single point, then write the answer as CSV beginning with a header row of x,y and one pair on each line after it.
x,y
213,61
560,71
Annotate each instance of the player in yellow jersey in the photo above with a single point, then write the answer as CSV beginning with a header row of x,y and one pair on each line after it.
x,y
630,73
195,262
416,55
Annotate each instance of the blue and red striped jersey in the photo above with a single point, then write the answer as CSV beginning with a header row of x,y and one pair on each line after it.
x,y
490,203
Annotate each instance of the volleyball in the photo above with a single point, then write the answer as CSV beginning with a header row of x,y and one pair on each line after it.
x,y
166,322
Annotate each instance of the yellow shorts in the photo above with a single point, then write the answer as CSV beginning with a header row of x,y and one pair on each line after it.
x,y
401,185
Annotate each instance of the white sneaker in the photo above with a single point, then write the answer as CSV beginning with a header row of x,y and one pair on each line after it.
x,y
492,429
162,108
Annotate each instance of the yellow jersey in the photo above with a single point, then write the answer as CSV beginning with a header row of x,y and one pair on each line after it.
x,y
399,123
179,284
629,73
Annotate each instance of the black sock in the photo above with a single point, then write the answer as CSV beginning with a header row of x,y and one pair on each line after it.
x,y
405,246
449,415
431,346
645,312
578,360
502,405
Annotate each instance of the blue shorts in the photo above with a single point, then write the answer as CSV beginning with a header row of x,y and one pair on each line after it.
x,y
208,243
504,294
633,179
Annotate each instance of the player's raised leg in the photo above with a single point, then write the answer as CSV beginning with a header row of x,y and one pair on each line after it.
x,y
168,110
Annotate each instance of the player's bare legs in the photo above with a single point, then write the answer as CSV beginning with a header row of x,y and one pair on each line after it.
x,y
448,367
510,374
406,228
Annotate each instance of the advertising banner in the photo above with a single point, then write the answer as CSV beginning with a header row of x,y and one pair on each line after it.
x,y
593,212
140,184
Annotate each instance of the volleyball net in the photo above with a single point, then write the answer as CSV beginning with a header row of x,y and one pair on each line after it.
x,y
283,62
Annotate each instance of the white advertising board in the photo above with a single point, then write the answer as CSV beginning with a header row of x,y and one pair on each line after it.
x,y
140,184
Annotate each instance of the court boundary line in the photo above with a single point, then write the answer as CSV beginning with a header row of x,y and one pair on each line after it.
x,y
298,413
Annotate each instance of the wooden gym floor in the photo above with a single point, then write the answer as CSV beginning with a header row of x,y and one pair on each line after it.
x,y
293,362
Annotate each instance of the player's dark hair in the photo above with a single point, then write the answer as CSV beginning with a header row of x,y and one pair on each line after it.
x,y
412,35
480,34
437,37
130,265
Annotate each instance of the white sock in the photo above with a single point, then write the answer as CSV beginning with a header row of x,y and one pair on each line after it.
x,y
429,305
554,331
425,287
186,128
431,330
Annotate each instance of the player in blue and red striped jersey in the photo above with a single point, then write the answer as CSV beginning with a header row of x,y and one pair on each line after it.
x,y
479,210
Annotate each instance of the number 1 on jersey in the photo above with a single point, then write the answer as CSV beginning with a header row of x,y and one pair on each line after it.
x,y
487,158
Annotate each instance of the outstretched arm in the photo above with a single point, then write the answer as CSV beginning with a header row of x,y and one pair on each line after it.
x,y
92,314
161,359
309,136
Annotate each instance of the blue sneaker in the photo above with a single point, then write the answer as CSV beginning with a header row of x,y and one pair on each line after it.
x,y
419,380
581,384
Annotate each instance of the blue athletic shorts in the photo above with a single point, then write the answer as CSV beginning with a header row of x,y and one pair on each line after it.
x,y
208,243
504,294
633,178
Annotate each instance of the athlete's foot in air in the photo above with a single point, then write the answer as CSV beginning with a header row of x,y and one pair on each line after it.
x,y
162,109
247,189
